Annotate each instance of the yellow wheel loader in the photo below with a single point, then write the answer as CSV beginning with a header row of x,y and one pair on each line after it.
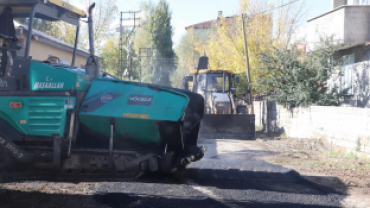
x,y
226,116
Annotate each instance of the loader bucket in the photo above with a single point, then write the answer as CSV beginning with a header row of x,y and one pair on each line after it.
x,y
227,126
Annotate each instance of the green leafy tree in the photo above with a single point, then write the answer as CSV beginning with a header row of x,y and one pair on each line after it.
x,y
143,42
65,32
301,80
187,57
162,42
39,24
111,59
110,55
56,29
156,33
105,13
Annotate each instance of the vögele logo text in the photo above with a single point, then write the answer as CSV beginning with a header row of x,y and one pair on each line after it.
x,y
141,99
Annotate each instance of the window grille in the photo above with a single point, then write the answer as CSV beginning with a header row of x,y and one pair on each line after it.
x,y
347,71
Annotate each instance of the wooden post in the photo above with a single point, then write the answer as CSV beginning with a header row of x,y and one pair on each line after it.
x,y
247,62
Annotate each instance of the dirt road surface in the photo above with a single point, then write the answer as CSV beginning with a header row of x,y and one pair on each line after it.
x,y
233,173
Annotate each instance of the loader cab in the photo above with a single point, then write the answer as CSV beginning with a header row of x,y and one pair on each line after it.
x,y
217,81
19,71
218,87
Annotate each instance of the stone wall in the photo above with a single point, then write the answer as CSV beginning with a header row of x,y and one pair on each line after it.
x,y
344,127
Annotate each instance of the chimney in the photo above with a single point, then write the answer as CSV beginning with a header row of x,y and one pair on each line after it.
x,y
219,14
338,3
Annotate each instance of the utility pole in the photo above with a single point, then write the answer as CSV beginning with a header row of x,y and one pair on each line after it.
x,y
140,69
247,63
122,43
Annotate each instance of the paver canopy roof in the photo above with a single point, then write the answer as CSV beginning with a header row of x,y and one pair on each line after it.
x,y
23,8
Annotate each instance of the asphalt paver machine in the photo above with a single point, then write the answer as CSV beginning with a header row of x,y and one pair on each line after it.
x,y
61,117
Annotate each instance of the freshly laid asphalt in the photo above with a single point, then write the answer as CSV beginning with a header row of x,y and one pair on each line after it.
x,y
231,174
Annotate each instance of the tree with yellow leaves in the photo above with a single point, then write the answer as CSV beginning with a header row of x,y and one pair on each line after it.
x,y
266,28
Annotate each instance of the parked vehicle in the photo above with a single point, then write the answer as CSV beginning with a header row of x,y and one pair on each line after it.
x,y
225,116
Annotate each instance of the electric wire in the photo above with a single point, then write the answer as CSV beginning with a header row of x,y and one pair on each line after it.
x,y
266,11
278,7
190,48
163,37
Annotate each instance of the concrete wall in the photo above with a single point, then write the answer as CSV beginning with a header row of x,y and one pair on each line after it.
x,y
344,127
328,24
348,24
357,24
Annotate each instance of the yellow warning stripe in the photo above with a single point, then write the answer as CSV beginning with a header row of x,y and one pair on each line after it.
x,y
132,115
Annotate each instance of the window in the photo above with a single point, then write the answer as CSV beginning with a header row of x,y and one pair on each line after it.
x,y
215,81
227,82
3,61
202,80
360,2
204,34
347,70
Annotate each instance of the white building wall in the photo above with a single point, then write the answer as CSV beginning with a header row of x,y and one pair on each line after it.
x,y
348,24
337,3
329,24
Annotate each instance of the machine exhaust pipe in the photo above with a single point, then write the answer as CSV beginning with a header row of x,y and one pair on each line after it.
x,y
202,64
91,29
92,65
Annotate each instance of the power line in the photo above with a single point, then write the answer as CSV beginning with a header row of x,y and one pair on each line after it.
x,y
166,38
278,7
